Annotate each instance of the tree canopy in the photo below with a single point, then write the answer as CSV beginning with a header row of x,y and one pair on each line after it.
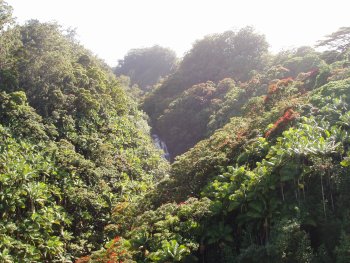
x,y
339,40
146,66
229,54
5,14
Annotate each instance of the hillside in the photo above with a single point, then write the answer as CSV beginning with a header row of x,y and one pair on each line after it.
x,y
260,150
73,145
267,178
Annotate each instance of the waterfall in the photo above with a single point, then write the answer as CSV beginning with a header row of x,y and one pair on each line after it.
x,y
161,145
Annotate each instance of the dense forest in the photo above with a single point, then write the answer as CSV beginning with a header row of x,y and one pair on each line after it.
x,y
259,145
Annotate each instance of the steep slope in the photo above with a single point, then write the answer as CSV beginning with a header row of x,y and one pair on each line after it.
x,y
73,146
227,55
270,186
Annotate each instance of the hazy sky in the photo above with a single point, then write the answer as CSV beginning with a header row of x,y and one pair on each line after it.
x,y
111,27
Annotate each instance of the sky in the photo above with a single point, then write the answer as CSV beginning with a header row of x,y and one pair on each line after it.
x,y
109,28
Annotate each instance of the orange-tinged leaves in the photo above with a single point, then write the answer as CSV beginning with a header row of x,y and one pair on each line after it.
x,y
287,117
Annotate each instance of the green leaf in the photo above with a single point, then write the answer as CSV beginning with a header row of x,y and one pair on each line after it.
x,y
233,205
345,162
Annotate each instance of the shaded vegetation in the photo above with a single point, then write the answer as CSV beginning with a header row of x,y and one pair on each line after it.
x,y
215,57
146,66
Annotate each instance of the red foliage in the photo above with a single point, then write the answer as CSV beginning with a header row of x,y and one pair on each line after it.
x,y
85,259
285,82
275,87
307,75
282,122
116,239
272,88
113,254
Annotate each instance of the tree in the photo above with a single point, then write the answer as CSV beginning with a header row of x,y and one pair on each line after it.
x,y
226,55
145,66
5,15
339,40
8,41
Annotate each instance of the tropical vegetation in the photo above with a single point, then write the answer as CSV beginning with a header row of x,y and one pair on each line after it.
x,y
260,147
